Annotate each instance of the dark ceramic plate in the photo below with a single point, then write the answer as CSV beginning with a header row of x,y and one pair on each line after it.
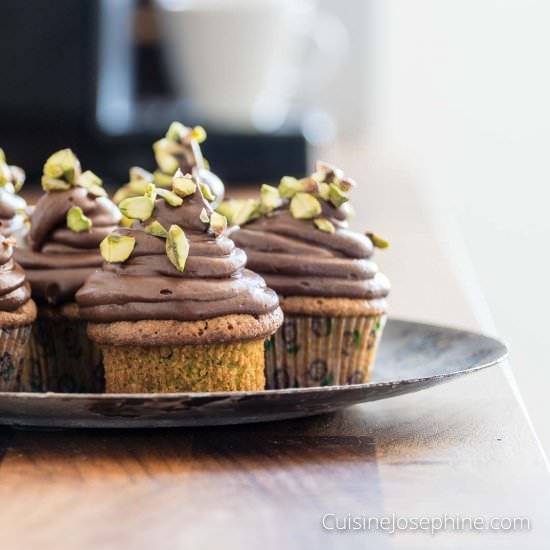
x,y
412,357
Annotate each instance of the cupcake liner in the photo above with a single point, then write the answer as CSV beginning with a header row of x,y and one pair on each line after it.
x,y
229,366
61,358
12,349
322,351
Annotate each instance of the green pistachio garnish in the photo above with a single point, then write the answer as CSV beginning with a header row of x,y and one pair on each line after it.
x,y
53,184
304,206
329,171
347,183
288,187
97,191
183,185
206,192
199,134
170,197
309,185
122,193
62,165
269,198
176,132
140,174
177,247
138,187
245,211
324,225
137,208
2,155
156,229
377,241
336,196
204,217
88,179
18,177
116,248
218,224
162,179
126,222
5,173
77,221
167,163
324,191
151,191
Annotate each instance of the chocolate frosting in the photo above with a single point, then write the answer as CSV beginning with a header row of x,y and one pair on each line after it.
x,y
12,217
58,260
297,259
147,285
14,288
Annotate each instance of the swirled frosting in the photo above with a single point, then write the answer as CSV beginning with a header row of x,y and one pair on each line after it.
x,y
57,259
14,288
214,281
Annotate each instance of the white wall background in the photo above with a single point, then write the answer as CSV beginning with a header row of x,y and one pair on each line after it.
x,y
459,93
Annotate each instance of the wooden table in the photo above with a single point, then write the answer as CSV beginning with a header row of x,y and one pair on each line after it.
x,y
465,449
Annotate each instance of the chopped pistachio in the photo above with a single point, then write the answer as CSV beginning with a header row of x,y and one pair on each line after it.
x,y
162,179
377,241
137,208
62,165
324,191
97,191
309,185
304,206
199,134
138,174
54,184
245,211
123,193
288,187
206,192
336,196
183,185
156,229
5,173
18,177
126,222
2,155
167,162
170,197
177,131
347,183
324,225
116,248
138,187
151,191
269,198
329,170
218,223
177,247
77,221
88,179
204,217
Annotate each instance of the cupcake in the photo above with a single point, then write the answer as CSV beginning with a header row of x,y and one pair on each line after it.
x,y
179,149
13,208
17,312
334,299
67,224
174,308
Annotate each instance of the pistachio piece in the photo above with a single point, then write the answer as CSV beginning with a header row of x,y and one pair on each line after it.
x,y
88,179
304,206
218,224
151,191
377,241
336,196
137,208
97,191
329,170
138,187
324,225
18,177
204,217
199,134
324,191
170,197
269,198
126,222
309,185
177,131
347,183
156,229
123,193
246,211
116,247
288,187
53,184
167,163
140,174
62,165
5,173
206,192
162,179
177,247
228,209
77,221
183,185
2,155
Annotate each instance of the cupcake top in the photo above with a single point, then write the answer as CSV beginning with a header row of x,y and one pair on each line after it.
x,y
296,236
67,224
175,262
179,149
13,208
15,290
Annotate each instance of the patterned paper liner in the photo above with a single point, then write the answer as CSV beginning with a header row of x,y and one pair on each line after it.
x,y
12,349
322,351
230,366
61,358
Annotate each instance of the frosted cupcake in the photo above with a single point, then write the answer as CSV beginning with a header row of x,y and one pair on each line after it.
x,y
69,221
334,299
174,308
17,312
179,149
